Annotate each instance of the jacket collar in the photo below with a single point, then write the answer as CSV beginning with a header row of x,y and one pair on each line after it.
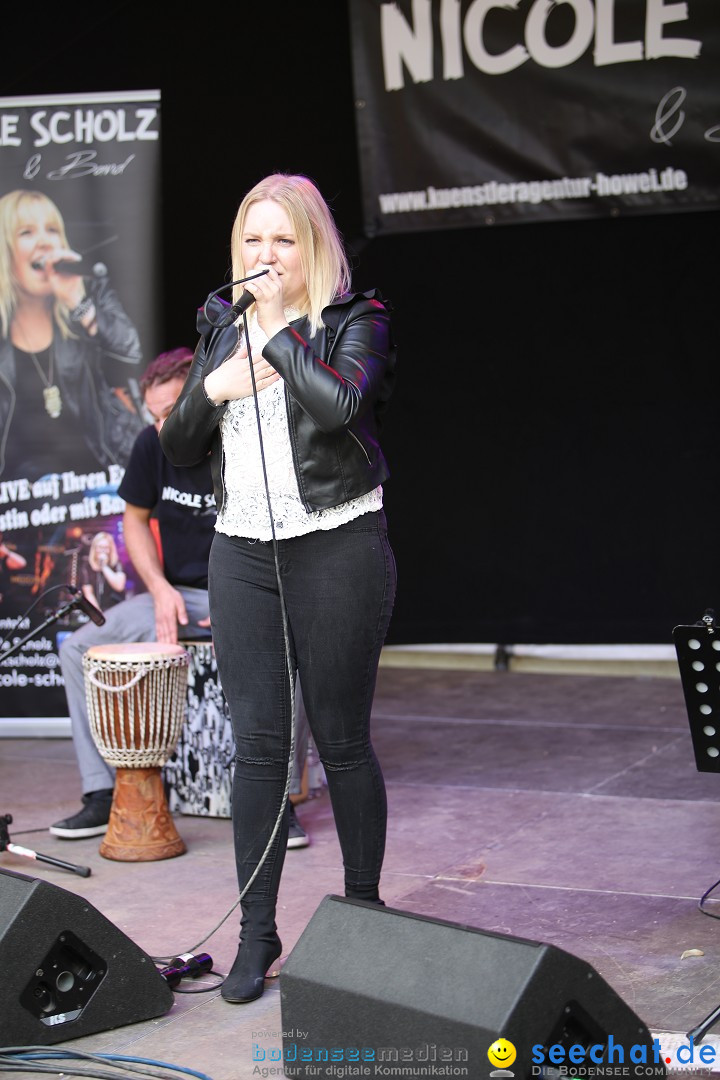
x,y
215,310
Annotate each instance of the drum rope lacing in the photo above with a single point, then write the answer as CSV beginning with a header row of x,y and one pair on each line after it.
x,y
145,733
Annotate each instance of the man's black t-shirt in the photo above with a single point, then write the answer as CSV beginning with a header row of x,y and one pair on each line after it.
x,y
184,506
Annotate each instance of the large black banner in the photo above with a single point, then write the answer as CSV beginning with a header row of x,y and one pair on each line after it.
x,y
79,302
477,112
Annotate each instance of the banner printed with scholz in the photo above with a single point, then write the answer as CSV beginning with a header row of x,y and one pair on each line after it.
x,y
482,112
79,272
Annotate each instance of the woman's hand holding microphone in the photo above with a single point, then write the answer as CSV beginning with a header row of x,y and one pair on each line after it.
x,y
232,379
269,301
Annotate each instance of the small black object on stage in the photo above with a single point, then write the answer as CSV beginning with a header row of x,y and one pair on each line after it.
x,y
188,966
7,845
697,1034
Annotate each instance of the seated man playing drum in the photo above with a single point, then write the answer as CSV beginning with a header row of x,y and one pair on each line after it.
x,y
175,605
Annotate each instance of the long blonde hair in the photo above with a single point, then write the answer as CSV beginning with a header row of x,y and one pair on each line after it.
x,y
322,256
11,206
97,540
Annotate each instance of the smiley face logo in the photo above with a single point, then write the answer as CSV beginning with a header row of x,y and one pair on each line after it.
x,y
502,1053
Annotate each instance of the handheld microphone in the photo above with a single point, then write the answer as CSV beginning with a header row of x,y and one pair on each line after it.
x,y
69,267
188,966
246,299
84,604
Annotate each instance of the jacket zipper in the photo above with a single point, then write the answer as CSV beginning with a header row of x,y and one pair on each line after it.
x,y
293,450
222,476
354,436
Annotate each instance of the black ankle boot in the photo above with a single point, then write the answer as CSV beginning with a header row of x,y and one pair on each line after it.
x,y
259,948
364,892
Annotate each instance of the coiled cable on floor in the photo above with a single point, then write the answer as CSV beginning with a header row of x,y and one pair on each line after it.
x,y
37,1059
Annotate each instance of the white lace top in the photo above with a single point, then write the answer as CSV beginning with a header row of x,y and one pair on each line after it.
x,y
245,509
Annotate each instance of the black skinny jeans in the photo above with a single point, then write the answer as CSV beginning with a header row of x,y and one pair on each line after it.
x,y
339,590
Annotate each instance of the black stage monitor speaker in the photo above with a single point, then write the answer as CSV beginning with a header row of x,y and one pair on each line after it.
x,y
66,971
403,995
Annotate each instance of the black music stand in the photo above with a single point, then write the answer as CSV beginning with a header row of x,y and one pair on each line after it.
x,y
698,656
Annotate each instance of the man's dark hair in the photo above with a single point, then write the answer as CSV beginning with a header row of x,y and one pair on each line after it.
x,y
174,364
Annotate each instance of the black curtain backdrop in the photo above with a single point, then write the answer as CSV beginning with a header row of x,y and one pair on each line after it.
x,y
553,436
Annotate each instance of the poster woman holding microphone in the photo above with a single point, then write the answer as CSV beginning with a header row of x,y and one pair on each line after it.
x,y
102,577
65,342
302,577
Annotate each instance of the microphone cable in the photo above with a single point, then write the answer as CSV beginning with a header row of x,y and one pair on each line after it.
x,y
283,609
24,615
5,639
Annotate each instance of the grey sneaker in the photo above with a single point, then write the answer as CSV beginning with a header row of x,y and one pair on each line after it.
x,y
297,837
92,820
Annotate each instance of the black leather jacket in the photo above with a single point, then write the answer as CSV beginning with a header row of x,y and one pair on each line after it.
x,y
337,384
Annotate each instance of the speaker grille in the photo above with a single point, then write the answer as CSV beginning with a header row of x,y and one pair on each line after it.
x,y
67,970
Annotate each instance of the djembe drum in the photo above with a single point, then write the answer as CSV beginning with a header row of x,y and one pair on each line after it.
x,y
136,696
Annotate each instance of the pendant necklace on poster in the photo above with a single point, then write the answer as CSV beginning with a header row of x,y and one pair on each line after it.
x,y
51,392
